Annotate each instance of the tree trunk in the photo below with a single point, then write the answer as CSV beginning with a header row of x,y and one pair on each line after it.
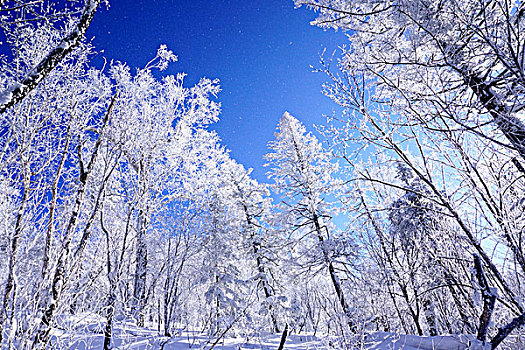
x,y
510,126
112,275
19,91
57,284
430,317
139,286
260,266
333,275
283,338
266,288
108,330
503,332
7,297
489,299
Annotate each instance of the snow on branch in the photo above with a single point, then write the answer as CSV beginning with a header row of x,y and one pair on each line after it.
x,y
18,91
503,332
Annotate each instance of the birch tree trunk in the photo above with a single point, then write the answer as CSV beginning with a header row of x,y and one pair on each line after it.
x,y
20,90
17,231
60,271
141,265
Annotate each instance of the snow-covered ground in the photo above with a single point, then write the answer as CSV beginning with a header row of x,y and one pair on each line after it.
x,y
391,341
86,332
141,339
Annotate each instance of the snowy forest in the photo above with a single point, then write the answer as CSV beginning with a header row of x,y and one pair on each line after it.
x,y
396,224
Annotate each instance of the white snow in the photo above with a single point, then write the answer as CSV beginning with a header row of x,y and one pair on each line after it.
x,y
391,341
5,97
85,332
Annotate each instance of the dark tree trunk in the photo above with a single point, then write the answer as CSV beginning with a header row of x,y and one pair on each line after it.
x,y
489,299
510,126
333,275
108,330
18,92
505,331
59,275
266,288
139,287
430,317
283,338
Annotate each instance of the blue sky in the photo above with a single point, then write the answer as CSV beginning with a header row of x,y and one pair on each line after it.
x,y
260,50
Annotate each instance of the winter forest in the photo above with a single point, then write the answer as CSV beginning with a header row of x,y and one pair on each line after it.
x,y
398,223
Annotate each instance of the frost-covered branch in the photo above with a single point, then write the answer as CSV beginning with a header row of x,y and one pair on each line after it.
x,y
18,91
505,331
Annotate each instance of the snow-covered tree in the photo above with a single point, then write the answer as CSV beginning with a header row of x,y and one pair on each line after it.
x,y
459,61
436,87
251,205
303,174
55,29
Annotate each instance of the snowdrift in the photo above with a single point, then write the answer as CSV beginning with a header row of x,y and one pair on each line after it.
x,y
391,341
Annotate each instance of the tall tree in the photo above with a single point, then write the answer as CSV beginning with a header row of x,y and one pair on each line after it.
x,y
302,171
251,205
460,60
156,125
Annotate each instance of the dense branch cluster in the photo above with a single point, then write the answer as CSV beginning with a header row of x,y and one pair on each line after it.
x,y
435,90
119,205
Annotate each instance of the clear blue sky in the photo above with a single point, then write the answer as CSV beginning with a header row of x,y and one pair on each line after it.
x,y
260,50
